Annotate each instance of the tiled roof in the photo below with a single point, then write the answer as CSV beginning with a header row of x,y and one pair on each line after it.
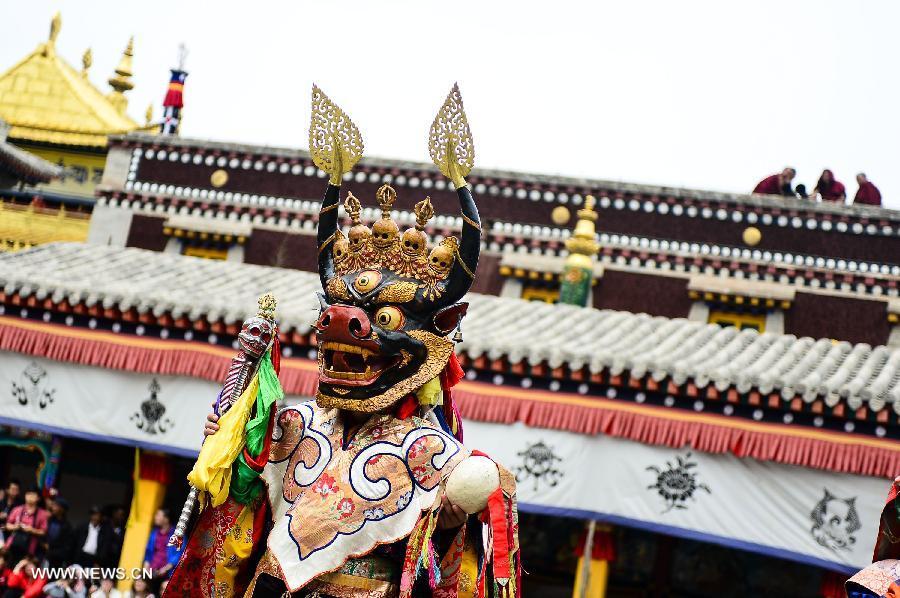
x,y
490,178
45,100
26,166
496,327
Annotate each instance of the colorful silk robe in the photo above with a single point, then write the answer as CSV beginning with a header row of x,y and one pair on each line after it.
x,y
330,502
882,577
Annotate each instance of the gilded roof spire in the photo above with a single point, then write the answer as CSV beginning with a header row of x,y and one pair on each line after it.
x,y
55,25
121,82
87,59
577,276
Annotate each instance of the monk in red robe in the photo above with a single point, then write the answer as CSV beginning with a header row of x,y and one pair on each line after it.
x,y
829,188
777,184
868,193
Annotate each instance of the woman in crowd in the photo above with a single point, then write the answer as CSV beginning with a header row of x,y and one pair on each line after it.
x,y
24,581
139,589
72,586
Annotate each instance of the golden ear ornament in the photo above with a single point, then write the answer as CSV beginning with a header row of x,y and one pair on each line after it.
x,y
335,142
450,142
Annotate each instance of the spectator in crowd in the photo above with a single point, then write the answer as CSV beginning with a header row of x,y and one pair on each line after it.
x,y
107,589
73,586
23,581
26,527
159,556
829,188
162,587
11,499
800,191
114,537
777,184
868,193
4,572
89,539
60,534
139,589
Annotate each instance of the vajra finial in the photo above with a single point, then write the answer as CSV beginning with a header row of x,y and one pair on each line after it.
x,y
267,305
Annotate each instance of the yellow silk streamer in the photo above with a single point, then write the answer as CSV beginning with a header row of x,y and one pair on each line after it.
x,y
431,393
212,471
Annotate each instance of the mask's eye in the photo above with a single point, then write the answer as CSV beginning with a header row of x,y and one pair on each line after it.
x,y
389,317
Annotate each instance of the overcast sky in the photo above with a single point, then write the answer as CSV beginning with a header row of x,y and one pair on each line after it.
x,y
704,94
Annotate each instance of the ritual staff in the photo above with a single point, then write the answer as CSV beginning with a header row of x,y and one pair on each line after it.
x,y
777,184
868,193
829,188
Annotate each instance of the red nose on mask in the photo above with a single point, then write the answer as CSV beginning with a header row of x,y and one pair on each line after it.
x,y
344,323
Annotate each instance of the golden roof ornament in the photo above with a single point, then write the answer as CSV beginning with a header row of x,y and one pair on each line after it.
x,y
50,46
55,26
582,245
334,141
148,115
424,212
450,143
121,82
87,59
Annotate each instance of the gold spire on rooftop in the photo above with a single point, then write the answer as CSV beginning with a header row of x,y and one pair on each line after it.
x,y
87,59
121,82
148,115
578,270
55,26
582,245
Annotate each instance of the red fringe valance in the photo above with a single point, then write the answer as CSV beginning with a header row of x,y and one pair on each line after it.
x,y
137,354
795,445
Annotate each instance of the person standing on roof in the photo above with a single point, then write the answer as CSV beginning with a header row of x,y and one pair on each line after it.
x,y
829,188
777,184
868,193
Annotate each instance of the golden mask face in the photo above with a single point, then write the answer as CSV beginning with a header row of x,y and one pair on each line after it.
x,y
389,317
367,281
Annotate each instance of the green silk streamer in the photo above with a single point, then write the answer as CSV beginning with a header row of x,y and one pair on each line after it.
x,y
245,482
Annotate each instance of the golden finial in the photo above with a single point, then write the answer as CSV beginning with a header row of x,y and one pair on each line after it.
x,y
267,305
386,197
121,82
582,242
353,207
450,143
424,212
148,115
334,141
55,25
87,59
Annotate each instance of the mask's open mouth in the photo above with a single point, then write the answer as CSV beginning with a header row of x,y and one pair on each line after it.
x,y
351,365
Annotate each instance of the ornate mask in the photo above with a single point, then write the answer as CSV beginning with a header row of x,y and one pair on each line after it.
x,y
387,308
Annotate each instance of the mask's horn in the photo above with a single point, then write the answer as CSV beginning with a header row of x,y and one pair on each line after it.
x,y
335,145
453,152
